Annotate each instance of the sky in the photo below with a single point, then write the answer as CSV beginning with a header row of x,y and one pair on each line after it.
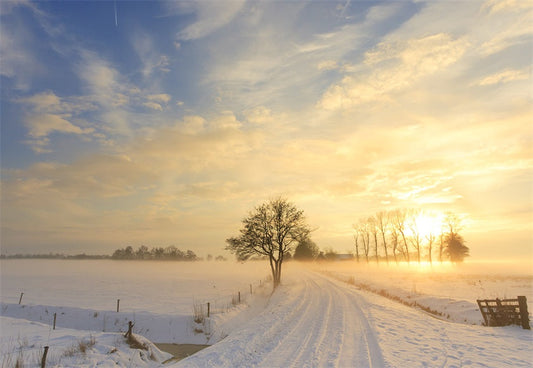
x,y
165,123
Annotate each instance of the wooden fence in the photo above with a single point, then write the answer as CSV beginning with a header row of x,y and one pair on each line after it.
x,y
504,312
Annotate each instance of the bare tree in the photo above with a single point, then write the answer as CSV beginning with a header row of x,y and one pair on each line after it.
x,y
373,227
399,219
365,237
394,243
441,247
431,240
382,221
355,238
416,238
273,229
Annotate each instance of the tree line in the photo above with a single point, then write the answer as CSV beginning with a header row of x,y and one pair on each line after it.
x,y
54,256
155,253
402,235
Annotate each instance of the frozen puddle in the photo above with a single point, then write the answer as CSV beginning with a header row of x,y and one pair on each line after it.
x,y
180,351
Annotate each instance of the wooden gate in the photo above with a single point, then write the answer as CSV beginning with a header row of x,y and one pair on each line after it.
x,y
504,312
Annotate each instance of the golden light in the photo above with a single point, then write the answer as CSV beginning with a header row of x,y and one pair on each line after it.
x,y
429,223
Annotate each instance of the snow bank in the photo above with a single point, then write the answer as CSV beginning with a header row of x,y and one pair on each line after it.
x,y
446,291
24,341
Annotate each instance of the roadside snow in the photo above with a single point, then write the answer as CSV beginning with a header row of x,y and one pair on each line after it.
x,y
314,319
23,341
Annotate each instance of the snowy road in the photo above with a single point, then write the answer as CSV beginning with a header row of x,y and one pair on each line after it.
x,y
315,321
317,324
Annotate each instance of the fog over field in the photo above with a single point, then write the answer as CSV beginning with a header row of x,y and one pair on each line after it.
x,y
163,298
388,143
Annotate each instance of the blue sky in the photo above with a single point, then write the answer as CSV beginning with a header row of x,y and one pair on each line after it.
x,y
164,123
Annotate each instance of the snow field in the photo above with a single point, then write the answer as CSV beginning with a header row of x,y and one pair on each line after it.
x,y
314,319
446,291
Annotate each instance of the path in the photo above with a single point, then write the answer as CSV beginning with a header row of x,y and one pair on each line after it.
x,y
311,321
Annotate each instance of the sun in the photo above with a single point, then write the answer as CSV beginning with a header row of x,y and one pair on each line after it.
x,y
429,223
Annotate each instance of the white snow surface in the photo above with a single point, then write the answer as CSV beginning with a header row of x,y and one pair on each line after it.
x,y
314,319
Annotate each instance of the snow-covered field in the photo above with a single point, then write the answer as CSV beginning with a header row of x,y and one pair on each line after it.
x,y
319,317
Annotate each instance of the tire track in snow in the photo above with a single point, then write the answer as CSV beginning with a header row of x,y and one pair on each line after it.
x,y
311,321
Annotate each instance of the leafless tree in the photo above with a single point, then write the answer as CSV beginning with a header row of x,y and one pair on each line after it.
x,y
355,238
373,227
431,240
273,229
364,232
399,223
394,242
382,221
416,238
441,247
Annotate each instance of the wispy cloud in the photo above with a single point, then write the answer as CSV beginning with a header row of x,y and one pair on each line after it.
x,y
152,60
394,66
210,16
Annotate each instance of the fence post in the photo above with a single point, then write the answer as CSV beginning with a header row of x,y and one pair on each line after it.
x,y
208,309
55,316
43,360
118,305
130,329
20,299
250,289
524,315
239,297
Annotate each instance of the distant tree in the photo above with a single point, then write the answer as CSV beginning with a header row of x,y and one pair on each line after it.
x,y
431,240
394,242
272,229
398,221
454,243
129,253
455,247
365,237
142,252
118,254
306,250
209,257
373,227
321,256
331,255
355,238
441,247
382,222
416,237
190,256
158,252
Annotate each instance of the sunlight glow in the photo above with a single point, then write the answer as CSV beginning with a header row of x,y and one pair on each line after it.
x,y
429,224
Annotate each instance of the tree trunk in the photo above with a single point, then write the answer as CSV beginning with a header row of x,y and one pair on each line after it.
x,y
385,247
406,247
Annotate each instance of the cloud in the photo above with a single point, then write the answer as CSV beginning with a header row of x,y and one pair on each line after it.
x,y
161,97
42,125
210,16
152,60
392,67
19,62
153,105
48,114
505,76
327,65
157,101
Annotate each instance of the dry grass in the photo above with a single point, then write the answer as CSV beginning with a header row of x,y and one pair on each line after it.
x,y
199,313
134,343
80,347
